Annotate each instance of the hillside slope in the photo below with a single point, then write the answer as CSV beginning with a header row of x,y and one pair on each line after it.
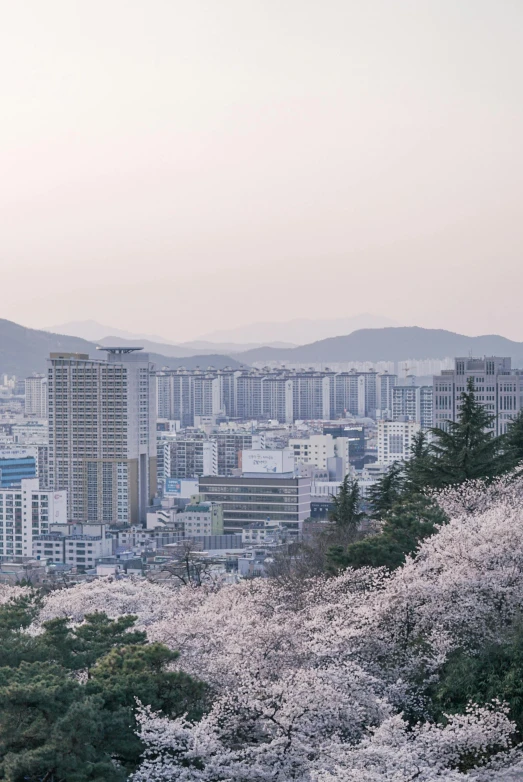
x,y
392,344
23,351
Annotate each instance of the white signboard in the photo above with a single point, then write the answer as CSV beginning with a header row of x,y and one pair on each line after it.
x,y
268,461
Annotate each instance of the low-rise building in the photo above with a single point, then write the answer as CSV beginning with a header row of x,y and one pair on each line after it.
x,y
76,544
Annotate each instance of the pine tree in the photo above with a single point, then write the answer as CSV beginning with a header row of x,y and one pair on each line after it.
x,y
406,525
386,492
467,449
345,515
416,469
513,443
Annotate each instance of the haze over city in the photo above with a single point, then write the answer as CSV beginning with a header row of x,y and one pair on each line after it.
x,y
181,168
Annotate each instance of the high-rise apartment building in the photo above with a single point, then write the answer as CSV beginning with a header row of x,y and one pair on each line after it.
x,y
413,403
277,398
395,440
229,447
497,387
36,396
102,434
384,393
281,394
192,457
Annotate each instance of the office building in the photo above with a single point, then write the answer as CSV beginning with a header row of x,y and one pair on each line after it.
x,y
395,440
497,387
35,403
102,434
27,511
252,499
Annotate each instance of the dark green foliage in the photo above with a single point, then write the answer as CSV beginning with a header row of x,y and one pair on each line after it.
x,y
513,443
467,449
345,515
386,492
496,671
416,470
405,527
67,696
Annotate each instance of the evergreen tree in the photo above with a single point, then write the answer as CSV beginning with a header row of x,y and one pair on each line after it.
x,y
513,443
406,525
386,492
67,696
416,469
345,515
467,449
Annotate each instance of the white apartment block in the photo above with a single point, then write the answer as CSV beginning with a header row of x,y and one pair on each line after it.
x,y
25,513
318,448
102,434
201,518
413,403
75,544
395,440
36,396
497,387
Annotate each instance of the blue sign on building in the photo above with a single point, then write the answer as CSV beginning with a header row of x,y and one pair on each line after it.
x,y
173,486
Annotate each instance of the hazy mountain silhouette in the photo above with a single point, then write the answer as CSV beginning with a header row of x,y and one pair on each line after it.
x,y
300,331
23,351
392,344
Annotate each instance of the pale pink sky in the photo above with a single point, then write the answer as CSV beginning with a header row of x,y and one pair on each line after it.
x,y
178,167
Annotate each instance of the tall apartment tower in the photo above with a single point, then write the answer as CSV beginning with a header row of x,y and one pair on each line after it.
x,y
36,396
413,403
384,391
496,385
102,434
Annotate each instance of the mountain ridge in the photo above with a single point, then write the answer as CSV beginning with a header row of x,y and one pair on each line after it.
x,y
24,351
392,344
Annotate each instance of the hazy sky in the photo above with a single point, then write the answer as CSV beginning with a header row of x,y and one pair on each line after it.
x,y
178,167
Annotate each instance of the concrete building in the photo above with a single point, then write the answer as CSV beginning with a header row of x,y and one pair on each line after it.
x,y
102,434
277,398
25,512
35,404
497,387
75,544
355,393
15,466
413,403
319,448
230,445
279,498
384,390
395,440
192,457
201,518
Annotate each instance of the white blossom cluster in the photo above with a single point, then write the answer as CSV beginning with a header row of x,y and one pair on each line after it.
x,y
312,683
